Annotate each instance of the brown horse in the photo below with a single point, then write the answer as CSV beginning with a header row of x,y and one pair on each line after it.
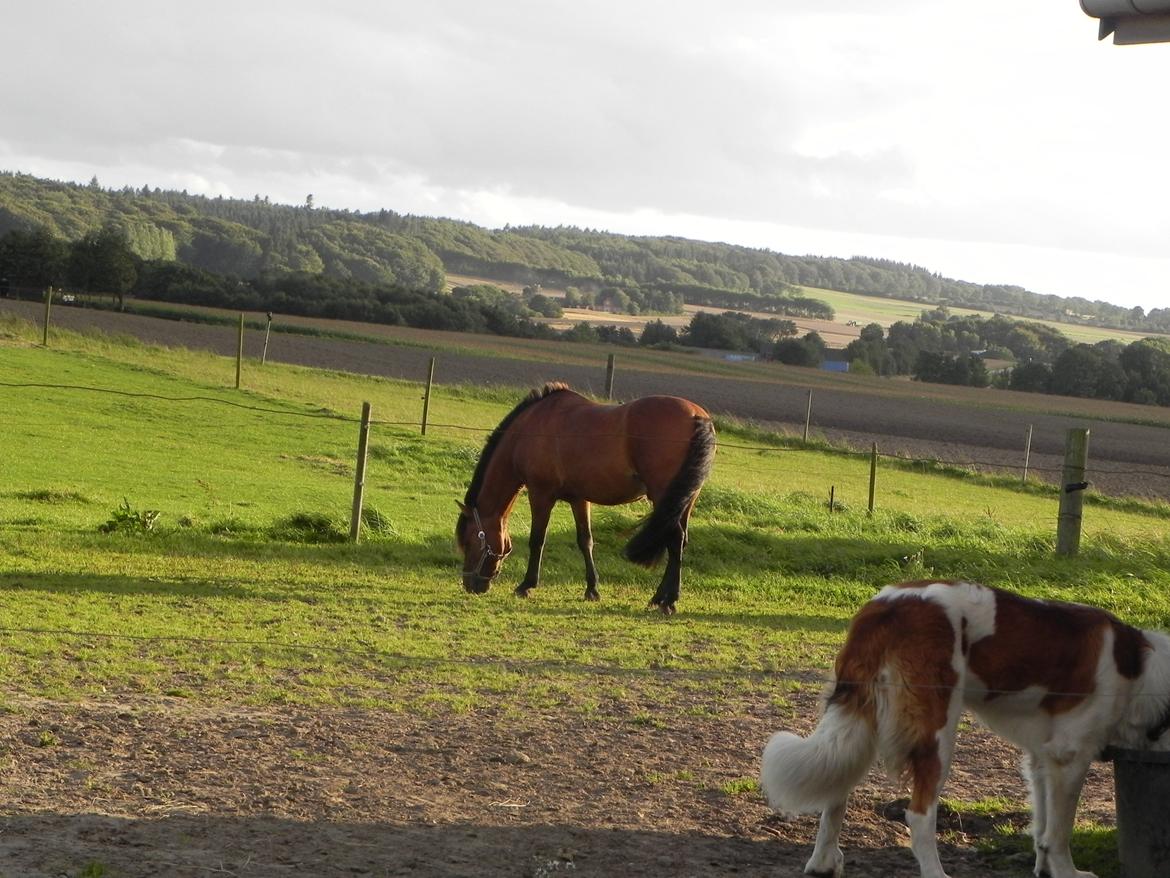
x,y
563,446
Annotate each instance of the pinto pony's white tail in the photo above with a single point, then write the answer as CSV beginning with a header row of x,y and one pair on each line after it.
x,y
806,775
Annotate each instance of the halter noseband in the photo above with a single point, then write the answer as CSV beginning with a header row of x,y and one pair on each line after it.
x,y
485,550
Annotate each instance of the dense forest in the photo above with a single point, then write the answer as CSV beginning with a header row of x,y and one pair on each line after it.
x,y
250,238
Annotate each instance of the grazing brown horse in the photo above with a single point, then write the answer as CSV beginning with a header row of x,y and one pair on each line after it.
x,y
562,446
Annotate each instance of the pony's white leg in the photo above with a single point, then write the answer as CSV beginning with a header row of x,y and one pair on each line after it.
x,y
827,861
924,840
930,763
1064,776
1033,767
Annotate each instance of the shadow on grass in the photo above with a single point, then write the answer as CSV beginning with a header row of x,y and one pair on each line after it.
x,y
764,568
116,584
639,613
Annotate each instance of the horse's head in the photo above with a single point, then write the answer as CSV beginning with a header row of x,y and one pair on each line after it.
x,y
485,544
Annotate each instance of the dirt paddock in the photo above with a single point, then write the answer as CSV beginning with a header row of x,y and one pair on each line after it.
x,y
166,788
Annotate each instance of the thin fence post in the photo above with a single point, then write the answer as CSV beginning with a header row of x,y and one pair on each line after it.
x,y
48,308
609,369
807,415
1072,491
872,475
427,396
240,352
832,497
1027,453
267,332
359,476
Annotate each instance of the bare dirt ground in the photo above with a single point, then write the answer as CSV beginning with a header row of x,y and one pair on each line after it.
x,y
166,788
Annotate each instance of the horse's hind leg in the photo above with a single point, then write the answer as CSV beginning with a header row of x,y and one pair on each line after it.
x,y
667,594
668,589
585,544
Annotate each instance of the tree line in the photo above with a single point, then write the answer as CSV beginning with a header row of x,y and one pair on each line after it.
x,y
250,237
941,348
104,262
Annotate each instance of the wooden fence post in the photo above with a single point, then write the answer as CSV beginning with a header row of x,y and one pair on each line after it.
x,y
48,308
609,377
1072,492
267,332
807,415
240,352
872,475
427,396
359,476
1027,453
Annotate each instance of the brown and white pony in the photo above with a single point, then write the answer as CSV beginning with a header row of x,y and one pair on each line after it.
x,y
562,446
1062,681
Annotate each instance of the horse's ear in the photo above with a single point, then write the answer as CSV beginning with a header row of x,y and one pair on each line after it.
x,y
463,508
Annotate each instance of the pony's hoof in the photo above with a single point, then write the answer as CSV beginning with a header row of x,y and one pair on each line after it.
x,y
662,607
520,591
592,595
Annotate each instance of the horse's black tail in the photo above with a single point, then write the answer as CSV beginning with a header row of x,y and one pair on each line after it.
x,y
647,546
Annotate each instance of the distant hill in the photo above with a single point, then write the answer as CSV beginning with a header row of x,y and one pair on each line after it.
x,y
250,238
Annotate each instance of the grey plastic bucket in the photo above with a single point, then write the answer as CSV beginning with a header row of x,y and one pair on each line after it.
x,y
1142,791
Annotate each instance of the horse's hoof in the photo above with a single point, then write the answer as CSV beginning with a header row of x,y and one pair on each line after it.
x,y
520,591
592,595
662,606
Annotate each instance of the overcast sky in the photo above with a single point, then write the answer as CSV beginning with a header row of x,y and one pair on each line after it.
x,y
994,141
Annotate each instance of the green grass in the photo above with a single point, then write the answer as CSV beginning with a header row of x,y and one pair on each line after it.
x,y
244,589
1094,849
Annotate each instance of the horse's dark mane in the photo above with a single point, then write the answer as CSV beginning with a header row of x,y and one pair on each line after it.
x,y
472,497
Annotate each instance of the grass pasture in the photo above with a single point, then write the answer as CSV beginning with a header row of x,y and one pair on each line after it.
x,y
239,588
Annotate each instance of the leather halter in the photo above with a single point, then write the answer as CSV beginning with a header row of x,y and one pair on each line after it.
x,y
485,550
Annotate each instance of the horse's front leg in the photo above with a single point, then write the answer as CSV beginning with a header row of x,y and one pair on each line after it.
x,y
585,544
541,510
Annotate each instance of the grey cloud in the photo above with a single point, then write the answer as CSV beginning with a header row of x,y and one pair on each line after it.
x,y
613,107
